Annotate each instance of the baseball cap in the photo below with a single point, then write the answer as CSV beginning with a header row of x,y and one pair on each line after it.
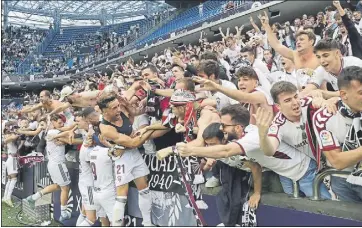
x,y
66,91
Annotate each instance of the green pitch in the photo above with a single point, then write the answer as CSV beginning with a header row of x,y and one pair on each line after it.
x,y
8,215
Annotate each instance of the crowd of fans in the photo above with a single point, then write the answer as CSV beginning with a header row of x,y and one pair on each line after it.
x,y
281,99
93,47
17,43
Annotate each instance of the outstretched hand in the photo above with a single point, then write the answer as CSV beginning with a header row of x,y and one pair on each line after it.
x,y
263,119
264,19
206,84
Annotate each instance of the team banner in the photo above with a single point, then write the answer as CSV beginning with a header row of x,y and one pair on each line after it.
x,y
163,174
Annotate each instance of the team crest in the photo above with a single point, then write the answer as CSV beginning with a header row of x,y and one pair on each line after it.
x,y
273,129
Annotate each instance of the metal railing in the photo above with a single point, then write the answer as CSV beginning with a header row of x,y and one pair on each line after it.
x,y
41,177
319,178
295,190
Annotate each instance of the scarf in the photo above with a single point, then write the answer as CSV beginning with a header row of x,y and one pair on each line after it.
x,y
353,140
153,105
193,189
30,159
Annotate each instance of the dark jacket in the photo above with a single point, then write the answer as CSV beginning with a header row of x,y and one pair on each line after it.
x,y
354,36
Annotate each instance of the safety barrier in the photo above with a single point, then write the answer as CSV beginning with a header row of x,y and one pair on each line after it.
x,y
319,178
25,184
169,208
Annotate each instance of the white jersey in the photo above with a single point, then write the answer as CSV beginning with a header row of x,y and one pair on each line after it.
x,y
287,161
331,131
232,54
149,145
221,99
294,134
299,80
11,148
102,168
85,169
56,153
322,75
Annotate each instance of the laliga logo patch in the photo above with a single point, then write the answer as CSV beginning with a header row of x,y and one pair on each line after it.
x,y
326,138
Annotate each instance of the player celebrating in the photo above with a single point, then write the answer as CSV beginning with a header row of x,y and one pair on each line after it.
x,y
116,126
11,165
56,167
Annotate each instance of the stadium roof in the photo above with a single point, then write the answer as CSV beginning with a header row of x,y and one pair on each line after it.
x,y
42,12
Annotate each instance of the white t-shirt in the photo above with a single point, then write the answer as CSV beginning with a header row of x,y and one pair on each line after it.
x,y
102,169
55,152
298,80
221,99
287,161
331,131
11,148
232,54
322,75
294,134
149,145
260,65
263,80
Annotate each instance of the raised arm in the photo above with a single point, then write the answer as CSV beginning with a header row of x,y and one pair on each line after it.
x,y
221,33
273,40
254,25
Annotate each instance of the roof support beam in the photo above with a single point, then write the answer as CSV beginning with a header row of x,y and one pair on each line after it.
x,y
88,8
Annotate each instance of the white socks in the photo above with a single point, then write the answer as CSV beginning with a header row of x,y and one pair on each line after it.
x,y
118,210
11,187
37,196
80,219
86,222
7,189
63,210
145,203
